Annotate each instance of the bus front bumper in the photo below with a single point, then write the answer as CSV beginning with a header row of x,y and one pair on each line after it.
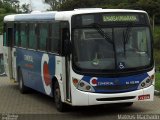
x,y
80,98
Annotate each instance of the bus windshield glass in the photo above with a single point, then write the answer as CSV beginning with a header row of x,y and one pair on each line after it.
x,y
99,46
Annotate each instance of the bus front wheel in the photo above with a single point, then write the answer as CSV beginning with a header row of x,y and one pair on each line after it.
x,y
61,107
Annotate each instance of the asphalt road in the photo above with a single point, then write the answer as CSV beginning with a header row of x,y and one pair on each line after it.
x,y
32,106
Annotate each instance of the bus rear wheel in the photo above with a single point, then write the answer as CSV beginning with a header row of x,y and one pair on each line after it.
x,y
61,107
23,89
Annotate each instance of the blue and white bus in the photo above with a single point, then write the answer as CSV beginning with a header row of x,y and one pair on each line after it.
x,y
82,57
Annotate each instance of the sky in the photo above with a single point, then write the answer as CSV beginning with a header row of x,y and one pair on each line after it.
x,y
36,4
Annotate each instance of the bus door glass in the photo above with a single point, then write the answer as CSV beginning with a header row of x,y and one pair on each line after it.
x,y
13,51
8,41
65,38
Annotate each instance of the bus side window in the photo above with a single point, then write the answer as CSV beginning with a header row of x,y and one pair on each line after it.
x,y
27,34
55,39
43,36
49,38
23,35
37,32
32,36
17,34
9,34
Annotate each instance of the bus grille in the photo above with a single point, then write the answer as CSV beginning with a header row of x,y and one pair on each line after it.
x,y
116,98
117,87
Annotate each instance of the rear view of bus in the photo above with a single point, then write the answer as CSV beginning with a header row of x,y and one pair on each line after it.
x,y
112,58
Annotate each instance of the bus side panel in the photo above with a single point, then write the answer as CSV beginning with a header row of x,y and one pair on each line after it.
x,y
38,69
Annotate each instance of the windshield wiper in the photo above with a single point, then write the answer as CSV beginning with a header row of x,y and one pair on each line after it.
x,y
107,38
102,33
126,35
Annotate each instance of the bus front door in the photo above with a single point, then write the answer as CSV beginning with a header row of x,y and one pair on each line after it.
x,y
14,70
9,54
7,51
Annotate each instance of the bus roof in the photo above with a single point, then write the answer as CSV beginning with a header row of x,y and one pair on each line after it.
x,y
61,15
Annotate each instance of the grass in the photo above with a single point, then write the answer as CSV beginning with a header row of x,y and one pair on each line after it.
x,y
157,82
156,37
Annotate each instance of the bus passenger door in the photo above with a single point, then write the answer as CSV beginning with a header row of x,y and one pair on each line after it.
x,y
12,53
14,70
8,40
67,82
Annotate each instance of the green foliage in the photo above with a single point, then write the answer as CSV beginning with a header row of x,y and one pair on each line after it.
x,y
157,58
156,36
54,4
72,4
25,8
2,10
157,81
5,9
151,6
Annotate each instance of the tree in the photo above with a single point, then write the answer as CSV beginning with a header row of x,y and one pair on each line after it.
x,y
72,4
15,4
152,7
5,9
54,3
25,8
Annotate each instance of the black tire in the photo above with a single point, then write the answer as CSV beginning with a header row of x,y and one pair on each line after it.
x,y
22,88
61,107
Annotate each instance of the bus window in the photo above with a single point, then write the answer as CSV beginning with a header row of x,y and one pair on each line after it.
x,y
55,41
32,36
23,35
43,36
4,35
17,35
10,37
8,34
142,40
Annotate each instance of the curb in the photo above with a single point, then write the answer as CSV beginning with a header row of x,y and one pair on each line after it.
x,y
156,92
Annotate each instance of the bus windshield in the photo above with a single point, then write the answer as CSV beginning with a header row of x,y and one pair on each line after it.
x,y
124,48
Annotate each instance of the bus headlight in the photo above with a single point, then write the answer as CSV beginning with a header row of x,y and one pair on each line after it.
x,y
146,82
82,85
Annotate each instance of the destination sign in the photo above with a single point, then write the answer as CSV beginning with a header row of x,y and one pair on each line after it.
x,y
120,18
109,19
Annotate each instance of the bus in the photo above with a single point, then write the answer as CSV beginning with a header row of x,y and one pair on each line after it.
x,y
82,57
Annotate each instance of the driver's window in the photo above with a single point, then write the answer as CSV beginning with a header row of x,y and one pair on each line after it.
x,y
142,41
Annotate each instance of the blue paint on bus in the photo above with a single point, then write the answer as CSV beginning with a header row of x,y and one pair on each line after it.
x,y
30,63
116,84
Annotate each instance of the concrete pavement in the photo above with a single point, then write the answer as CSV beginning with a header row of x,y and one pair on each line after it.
x,y
35,105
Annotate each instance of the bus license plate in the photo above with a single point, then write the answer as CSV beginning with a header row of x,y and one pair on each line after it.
x,y
143,97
